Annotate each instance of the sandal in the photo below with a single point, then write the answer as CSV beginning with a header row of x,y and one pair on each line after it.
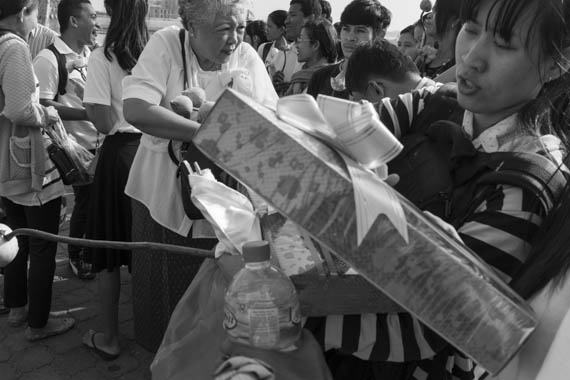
x,y
54,326
90,343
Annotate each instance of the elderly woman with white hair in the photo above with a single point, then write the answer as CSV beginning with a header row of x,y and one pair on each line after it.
x,y
207,53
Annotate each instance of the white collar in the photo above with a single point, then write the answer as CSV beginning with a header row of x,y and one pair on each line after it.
x,y
63,48
492,139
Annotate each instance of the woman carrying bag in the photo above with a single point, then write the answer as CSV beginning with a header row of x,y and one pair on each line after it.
x,y
30,186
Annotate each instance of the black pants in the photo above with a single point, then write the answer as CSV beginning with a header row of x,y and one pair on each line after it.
x,y
78,221
35,285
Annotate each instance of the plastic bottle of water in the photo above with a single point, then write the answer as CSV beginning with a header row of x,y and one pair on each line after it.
x,y
261,304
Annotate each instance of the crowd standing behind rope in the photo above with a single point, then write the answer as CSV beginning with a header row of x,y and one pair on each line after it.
x,y
507,61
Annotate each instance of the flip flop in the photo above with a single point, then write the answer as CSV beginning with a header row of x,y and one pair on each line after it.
x,y
99,351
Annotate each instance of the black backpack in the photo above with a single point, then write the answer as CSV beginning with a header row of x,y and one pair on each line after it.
x,y
61,71
441,172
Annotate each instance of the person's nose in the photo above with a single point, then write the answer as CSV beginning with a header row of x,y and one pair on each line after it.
x,y
475,54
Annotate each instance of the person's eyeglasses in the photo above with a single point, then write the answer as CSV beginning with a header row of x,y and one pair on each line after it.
x,y
299,40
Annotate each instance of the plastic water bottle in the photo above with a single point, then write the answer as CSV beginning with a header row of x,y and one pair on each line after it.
x,y
261,304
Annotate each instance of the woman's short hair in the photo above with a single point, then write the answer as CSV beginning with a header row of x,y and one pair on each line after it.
x,y
278,17
204,11
378,58
367,12
11,7
323,32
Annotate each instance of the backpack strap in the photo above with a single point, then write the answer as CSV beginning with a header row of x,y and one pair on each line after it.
x,y
266,49
529,171
61,70
182,37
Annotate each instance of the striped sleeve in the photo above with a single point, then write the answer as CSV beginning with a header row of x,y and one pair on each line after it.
x,y
501,228
398,114
39,39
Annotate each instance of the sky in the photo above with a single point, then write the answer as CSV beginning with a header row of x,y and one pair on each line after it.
x,y
404,12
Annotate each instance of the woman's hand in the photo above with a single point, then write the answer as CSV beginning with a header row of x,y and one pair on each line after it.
x,y
444,225
52,116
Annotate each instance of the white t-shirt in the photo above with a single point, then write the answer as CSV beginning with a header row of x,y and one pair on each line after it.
x,y
45,66
105,86
157,78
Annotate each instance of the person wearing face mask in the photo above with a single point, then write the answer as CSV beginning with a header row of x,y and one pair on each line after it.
x,y
214,58
512,69
361,21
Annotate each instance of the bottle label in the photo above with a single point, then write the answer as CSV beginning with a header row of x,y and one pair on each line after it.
x,y
264,324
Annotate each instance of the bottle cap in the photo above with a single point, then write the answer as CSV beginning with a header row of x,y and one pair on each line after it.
x,y
256,251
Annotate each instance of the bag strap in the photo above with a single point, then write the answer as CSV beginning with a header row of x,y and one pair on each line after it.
x,y
266,50
61,70
184,147
182,37
532,172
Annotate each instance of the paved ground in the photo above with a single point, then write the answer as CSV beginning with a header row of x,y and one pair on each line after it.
x,y
63,357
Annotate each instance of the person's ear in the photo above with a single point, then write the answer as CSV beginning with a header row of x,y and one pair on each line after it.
x,y
554,69
316,45
73,21
256,40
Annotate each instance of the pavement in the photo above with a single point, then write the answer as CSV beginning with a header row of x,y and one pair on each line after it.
x,y
64,357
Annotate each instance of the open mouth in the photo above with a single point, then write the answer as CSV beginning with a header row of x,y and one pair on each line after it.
x,y
465,86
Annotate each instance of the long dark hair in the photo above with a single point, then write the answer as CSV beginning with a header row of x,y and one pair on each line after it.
x,y
127,34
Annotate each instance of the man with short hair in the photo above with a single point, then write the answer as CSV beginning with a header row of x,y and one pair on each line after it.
x,y
379,70
78,25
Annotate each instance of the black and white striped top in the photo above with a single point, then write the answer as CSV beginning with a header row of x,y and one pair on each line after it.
x,y
498,231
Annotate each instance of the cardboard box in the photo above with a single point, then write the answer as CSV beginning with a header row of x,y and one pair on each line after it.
x,y
433,276
325,285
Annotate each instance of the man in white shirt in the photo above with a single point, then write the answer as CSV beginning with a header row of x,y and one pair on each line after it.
x,y
78,23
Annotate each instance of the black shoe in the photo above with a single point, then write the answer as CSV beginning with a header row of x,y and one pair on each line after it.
x,y
81,269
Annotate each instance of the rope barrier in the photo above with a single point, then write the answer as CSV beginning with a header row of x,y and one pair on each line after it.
x,y
90,243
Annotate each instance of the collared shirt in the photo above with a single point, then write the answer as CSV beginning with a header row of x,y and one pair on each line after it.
x,y
45,66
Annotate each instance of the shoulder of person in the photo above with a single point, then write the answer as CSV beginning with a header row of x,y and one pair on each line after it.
x,y
45,56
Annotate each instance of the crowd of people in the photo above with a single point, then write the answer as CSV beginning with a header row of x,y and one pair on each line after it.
x,y
489,75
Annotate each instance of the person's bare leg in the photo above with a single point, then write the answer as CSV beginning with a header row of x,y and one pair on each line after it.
x,y
109,287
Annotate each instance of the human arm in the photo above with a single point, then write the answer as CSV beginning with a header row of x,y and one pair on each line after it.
x,y
48,77
19,87
158,121
65,112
